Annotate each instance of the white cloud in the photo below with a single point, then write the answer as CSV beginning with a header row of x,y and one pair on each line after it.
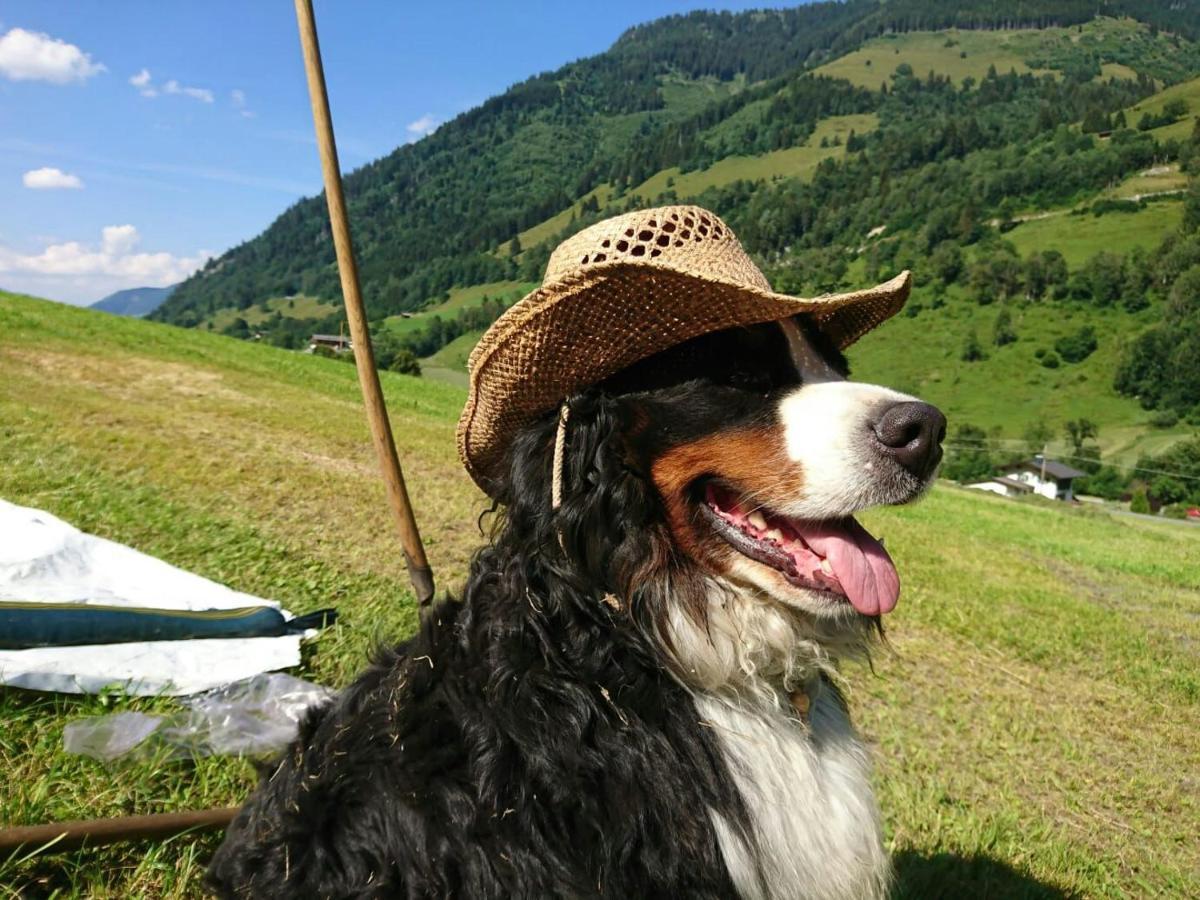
x,y
31,56
204,95
144,83
48,179
238,98
141,81
118,240
80,272
427,124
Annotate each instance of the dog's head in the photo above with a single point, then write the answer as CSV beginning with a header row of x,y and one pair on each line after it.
x,y
732,466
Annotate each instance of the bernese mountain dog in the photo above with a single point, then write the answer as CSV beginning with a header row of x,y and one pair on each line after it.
x,y
635,695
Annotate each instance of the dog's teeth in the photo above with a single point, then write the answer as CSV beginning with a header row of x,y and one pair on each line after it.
x,y
775,534
826,567
756,519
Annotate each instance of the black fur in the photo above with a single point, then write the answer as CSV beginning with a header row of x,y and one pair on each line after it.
x,y
526,743
530,741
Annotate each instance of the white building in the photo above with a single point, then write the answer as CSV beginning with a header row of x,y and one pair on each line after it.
x,y
1043,477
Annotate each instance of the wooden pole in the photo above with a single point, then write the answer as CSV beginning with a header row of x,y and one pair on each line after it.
x,y
97,832
364,357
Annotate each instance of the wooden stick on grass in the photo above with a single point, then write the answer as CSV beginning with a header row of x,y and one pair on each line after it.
x,y
364,357
98,832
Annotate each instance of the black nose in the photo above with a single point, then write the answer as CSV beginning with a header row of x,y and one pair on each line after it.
x,y
912,433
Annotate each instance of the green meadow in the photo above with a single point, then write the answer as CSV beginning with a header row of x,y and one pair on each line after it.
x,y
1032,714
1080,237
455,300
299,307
1188,92
958,54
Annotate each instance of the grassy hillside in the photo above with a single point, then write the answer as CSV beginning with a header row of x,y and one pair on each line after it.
x,y
1155,180
794,162
1188,92
1116,47
1011,390
458,299
1079,237
1029,722
299,307
958,54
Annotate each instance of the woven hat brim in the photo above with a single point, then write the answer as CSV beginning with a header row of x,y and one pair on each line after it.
x,y
582,329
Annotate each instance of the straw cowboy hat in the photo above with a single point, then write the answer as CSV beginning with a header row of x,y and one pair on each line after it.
x,y
620,291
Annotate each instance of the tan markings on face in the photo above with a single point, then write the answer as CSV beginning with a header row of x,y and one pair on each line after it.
x,y
752,460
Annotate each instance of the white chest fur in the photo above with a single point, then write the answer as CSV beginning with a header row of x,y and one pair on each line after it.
x,y
816,823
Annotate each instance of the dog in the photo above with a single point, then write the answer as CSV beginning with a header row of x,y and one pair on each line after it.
x,y
635,696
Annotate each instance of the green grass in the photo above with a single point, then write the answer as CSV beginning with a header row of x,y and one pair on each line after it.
x,y
289,307
1033,725
1080,237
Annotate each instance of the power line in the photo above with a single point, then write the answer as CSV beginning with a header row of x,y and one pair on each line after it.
x,y
1127,468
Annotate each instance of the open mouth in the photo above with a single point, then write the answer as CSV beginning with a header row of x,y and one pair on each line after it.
x,y
836,557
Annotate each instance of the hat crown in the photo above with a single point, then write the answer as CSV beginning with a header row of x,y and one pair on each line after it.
x,y
681,238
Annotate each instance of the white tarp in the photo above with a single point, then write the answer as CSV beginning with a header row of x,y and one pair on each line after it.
x,y
42,558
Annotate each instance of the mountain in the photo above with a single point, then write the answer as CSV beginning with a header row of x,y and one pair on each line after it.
x,y
135,301
1026,158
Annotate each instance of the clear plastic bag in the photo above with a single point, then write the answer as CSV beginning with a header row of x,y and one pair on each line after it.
x,y
109,737
255,717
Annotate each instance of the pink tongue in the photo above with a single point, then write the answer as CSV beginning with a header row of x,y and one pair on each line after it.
x,y
860,564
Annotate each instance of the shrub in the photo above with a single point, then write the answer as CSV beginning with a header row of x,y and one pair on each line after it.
x,y
1139,503
1078,346
1168,489
1050,360
1003,332
972,349
1166,418
405,362
1106,482
969,458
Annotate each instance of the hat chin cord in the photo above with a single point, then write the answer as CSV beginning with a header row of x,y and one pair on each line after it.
x,y
560,445
556,480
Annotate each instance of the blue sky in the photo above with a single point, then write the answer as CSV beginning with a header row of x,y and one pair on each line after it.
x,y
138,137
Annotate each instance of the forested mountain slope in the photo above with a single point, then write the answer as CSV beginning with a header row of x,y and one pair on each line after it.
x,y
843,142
427,215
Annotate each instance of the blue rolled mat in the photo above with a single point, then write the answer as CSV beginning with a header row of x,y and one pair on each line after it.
x,y
26,624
